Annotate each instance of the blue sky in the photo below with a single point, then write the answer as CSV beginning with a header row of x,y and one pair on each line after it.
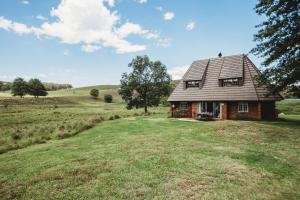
x,y
92,41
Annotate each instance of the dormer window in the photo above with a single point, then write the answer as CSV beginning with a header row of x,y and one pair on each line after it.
x,y
230,82
190,84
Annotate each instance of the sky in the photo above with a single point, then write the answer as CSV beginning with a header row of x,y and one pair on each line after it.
x,y
91,42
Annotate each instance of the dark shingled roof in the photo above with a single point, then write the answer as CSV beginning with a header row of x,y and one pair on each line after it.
x,y
211,70
196,70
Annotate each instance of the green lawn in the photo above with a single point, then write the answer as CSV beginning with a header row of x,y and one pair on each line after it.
x,y
160,158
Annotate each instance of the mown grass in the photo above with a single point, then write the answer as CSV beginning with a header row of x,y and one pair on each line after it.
x,y
156,157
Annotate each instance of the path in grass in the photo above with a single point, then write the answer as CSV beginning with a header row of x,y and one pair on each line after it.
x,y
155,157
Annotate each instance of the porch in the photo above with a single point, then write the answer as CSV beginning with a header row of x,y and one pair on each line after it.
x,y
196,110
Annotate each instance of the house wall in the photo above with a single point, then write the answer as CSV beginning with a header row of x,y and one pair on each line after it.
x,y
254,111
268,110
194,110
229,110
224,111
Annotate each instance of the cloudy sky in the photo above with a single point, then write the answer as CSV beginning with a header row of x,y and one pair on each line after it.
x,y
89,42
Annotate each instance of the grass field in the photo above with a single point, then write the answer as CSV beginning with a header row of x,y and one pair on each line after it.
x,y
64,113
162,158
142,157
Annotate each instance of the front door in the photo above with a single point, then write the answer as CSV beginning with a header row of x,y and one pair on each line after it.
x,y
216,109
210,107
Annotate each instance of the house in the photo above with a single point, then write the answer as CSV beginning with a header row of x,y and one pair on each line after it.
x,y
223,88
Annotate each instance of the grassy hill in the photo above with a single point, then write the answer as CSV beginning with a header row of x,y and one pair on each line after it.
x,y
69,145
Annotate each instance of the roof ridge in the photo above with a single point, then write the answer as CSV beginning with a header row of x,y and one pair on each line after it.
x,y
221,67
204,73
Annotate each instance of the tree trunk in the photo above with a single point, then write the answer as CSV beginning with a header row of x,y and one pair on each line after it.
x,y
146,109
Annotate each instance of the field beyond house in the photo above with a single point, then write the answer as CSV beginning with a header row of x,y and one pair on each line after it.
x,y
71,146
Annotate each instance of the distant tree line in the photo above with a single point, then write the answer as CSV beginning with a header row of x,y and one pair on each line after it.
x,y
5,86
56,86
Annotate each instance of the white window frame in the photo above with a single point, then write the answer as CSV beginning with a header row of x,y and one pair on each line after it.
x,y
243,107
202,104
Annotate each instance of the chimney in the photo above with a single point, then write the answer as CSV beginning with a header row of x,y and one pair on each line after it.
x,y
220,55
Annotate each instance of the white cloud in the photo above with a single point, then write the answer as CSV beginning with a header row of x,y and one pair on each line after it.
x,y
164,42
25,2
90,48
97,27
159,8
16,27
40,17
169,16
141,1
178,72
111,3
190,26
131,28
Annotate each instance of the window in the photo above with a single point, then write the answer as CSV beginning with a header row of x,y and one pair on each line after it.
x,y
243,107
202,107
183,105
229,82
192,84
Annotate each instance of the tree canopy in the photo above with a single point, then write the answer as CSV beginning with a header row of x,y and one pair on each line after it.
x,y
146,84
36,88
94,93
279,43
19,87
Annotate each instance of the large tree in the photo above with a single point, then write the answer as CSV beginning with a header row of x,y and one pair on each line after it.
x,y
19,87
36,88
279,43
146,84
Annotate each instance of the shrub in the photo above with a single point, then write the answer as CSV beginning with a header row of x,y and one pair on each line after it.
x,y
94,93
16,135
111,118
164,101
117,117
108,98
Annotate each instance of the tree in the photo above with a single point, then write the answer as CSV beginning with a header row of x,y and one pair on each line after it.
x,y
19,87
94,93
36,88
108,98
279,42
146,84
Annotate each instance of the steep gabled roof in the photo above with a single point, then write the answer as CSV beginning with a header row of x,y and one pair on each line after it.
x,y
212,70
196,70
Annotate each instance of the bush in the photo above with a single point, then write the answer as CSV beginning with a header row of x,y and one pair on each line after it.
x,y
16,135
108,98
94,93
164,101
111,118
117,117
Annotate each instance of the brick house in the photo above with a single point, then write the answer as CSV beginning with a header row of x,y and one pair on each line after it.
x,y
223,88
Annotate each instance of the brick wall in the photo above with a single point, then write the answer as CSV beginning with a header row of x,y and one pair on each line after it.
x,y
254,111
194,110
224,110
